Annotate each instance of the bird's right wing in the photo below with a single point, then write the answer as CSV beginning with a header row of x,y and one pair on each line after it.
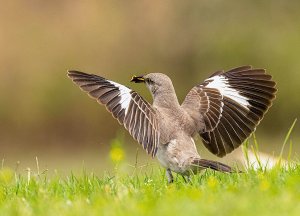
x,y
227,107
131,110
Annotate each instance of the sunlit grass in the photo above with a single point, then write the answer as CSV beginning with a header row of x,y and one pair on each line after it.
x,y
145,191
273,192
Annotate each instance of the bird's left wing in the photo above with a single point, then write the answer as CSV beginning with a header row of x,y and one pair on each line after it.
x,y
127,106
227,107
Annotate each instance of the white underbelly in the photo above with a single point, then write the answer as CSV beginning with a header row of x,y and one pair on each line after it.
x,y
173,158
170,162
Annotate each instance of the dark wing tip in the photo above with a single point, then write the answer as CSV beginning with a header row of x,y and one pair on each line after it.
x,y
222,154
241,68
74,73
70,72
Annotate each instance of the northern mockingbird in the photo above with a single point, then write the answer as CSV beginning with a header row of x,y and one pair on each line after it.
x,y
224,110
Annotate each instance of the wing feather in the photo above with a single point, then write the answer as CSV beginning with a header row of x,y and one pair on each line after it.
x,y
228,106
127,106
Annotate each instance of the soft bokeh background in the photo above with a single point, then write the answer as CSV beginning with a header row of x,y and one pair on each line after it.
x,y
43,114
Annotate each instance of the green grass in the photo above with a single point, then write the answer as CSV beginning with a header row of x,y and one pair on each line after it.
x,y
146,192
274,192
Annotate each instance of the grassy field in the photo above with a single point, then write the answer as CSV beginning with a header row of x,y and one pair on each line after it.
x,y
273,192
145,190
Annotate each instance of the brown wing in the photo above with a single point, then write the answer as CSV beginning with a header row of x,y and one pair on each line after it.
x,y
127,106
228,106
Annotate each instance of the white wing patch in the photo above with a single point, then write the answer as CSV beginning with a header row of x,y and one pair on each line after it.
x,y
124,94
221,83
127,106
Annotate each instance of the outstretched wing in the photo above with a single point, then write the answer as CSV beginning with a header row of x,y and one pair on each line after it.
x,y
127,106
228,106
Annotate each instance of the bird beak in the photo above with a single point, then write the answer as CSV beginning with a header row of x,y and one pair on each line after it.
x,y
137,79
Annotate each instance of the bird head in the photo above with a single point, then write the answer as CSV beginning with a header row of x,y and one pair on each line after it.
x,y
154,81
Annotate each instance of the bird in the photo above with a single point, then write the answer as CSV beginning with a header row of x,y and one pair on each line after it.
x,y
224,110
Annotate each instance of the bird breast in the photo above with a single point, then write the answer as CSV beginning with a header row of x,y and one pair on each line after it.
x,y
173,122
177,154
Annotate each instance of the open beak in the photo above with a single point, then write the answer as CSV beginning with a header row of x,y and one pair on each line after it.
x,y
137,79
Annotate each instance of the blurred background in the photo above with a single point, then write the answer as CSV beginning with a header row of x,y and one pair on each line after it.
x,y
43,114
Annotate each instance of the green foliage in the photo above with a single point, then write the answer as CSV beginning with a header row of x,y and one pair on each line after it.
x,y
258,191
274,192
6,176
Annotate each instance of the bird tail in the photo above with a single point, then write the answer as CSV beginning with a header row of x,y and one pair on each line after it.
x,y
203,163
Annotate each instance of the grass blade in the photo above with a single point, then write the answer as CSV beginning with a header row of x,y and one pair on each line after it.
x,y
287,137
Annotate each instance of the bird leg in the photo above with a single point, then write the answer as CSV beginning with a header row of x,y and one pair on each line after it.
x,y
186,178
169,175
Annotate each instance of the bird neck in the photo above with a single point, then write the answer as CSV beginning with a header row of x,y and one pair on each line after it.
x,y
165,99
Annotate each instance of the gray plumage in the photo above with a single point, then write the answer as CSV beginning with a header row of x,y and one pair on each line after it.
x,y
224,110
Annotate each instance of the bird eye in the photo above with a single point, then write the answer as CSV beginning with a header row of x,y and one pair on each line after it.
x,y
148,80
